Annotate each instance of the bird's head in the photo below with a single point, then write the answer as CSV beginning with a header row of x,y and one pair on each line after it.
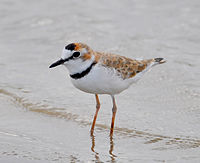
x,y
75,56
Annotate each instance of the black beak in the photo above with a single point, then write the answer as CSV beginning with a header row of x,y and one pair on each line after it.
x,y
59,62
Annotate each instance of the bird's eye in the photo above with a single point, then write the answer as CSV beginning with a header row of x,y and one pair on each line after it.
x,y
76,54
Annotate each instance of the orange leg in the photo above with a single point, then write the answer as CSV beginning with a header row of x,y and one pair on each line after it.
x,y
114,110
95,116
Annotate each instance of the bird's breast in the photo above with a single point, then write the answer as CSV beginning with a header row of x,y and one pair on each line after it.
x,y
101,80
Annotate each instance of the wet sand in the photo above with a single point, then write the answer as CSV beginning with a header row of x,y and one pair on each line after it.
x,y
34,134
43,118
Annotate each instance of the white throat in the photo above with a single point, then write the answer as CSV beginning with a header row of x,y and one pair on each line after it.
x,y
78,65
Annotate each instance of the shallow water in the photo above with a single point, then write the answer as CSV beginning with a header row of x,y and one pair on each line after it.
x,y
43,118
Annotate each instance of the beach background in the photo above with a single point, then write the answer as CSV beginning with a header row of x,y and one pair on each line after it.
x,y
43,118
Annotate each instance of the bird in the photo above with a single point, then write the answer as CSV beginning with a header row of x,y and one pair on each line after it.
x,y
102,73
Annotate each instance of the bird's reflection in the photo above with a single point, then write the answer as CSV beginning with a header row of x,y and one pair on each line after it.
x,y
97,158
112,156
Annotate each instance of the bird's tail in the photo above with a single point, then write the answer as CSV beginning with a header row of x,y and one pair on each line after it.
x,y
159,60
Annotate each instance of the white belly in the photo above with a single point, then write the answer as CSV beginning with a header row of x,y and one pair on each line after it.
x,y
101,80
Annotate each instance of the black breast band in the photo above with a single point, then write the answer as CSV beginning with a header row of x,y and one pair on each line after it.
x,y
83,73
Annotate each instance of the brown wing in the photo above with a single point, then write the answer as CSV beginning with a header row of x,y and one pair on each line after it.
x,y
126,67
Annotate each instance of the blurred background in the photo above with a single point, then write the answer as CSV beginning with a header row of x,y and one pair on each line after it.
x,y
43,118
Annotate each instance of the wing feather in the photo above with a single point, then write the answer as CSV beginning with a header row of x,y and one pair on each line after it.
x,y
126,67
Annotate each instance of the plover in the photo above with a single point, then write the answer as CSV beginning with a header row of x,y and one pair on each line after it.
x,y
102,73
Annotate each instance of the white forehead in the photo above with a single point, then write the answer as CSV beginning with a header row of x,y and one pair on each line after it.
x,y
66,53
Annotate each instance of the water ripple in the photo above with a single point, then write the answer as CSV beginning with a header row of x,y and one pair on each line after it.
x,y
167,142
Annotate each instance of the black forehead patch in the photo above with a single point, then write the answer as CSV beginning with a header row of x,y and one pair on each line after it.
x,y
70,46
